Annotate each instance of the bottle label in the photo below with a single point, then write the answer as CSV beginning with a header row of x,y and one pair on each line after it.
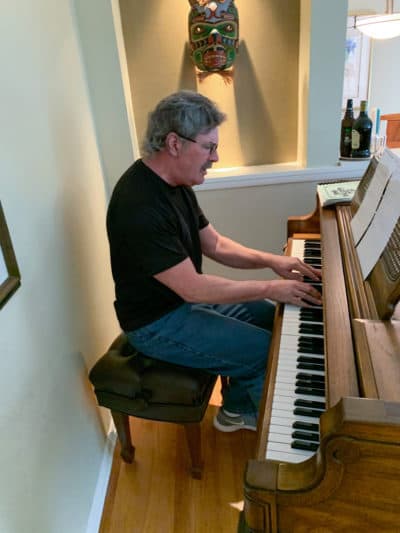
x,y
355,140
347,135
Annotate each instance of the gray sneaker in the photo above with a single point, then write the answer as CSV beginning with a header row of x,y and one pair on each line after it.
x,y
228,423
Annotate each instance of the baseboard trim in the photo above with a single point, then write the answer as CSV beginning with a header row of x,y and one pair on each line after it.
x,y
100,493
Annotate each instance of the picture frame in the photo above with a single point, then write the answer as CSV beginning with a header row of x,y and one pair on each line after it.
x,y
356,66
10,278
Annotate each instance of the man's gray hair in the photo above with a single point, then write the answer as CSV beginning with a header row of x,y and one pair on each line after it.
x,y
186,113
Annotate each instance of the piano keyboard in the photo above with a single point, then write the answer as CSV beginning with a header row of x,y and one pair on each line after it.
x,y
299,392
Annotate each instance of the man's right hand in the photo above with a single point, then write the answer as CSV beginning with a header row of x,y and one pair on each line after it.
x,y
294,292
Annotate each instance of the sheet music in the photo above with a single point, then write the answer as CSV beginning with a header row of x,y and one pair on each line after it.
x,y
374,240
363,217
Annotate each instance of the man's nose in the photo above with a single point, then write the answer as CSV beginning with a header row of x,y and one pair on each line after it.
x,y
214,155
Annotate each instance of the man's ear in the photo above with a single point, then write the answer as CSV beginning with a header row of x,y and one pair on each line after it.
x,y
173,143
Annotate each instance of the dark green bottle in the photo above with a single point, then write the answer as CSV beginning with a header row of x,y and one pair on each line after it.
x,y
346,130
361,134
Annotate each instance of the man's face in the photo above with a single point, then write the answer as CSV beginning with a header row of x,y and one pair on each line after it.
x,y
195,158
213,34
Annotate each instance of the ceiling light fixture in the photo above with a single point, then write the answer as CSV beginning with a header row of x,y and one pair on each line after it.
x,y
384,26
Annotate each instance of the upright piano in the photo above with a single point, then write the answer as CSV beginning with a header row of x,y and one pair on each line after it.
x,y
328,445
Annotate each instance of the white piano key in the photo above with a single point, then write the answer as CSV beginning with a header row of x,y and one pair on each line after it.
x,y
287,422
279,437
290,358
292,323
285,367
282,415
286,416
296,333
284,457
288,365
284,430
292,341
286,448
293,396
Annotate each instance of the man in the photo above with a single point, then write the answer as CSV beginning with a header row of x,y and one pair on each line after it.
x,y
158,234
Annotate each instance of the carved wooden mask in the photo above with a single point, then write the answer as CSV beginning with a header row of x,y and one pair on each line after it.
x,y
213,34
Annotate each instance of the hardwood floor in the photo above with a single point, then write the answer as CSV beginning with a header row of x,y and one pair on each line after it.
x,y
156,494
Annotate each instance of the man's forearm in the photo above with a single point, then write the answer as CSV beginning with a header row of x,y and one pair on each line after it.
x,y
233,254
215,289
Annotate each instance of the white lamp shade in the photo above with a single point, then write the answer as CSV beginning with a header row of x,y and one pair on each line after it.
x,y
379,27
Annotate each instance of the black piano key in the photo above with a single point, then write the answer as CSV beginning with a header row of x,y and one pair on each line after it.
x,y
310,342
310,366
316,329
310,319
305,319
306,346
303,411
306,310
312,252
310,377
306,359
307,426
310,350
313,261
310,391
312,384
306,436
301,445
311,314
306,339
309,338
309,403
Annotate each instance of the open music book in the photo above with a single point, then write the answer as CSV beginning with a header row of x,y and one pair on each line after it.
x,y
379,212
339,192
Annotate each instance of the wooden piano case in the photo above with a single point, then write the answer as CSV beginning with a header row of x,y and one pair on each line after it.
x,y
352,483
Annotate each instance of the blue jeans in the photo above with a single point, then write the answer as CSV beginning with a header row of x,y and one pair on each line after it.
x,y
226,339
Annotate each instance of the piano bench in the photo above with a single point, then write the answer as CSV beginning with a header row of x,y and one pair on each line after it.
x,y
132,384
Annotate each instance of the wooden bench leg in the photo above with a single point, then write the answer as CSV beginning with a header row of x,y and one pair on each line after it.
x,y
193,437
121,421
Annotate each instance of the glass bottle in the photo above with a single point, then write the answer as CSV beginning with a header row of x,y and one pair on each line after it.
x,y
346,130
361,133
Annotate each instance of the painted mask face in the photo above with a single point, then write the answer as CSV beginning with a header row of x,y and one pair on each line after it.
x,y
213,34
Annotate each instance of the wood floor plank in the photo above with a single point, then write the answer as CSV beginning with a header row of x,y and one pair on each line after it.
x,y
156,493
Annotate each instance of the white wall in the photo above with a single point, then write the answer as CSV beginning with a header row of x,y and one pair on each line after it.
x,y
61,319
385,75
323,84
99,52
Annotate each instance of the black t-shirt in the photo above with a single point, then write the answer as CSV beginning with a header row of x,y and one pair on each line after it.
x,y
151,226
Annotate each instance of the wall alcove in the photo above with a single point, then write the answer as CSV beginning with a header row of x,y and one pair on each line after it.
x,y
288,74
261,102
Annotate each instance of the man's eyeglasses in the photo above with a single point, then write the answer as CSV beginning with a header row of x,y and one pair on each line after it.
x,y
211,147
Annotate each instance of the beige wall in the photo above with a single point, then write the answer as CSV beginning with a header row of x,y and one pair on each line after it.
x,y
255,216
261,102
61,318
